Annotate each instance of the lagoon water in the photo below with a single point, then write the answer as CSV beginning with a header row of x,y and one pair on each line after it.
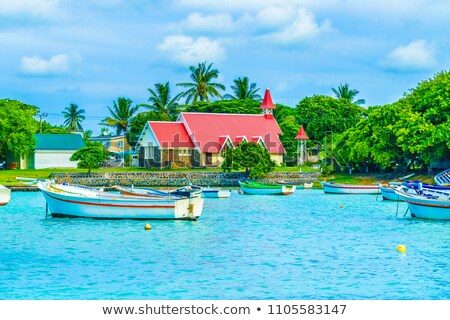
x,y
303,246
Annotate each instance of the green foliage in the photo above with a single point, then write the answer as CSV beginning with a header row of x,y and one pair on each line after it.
x,y
343,91
122,113
52,129
243,89
249,155
74,117
202,87
17,127
91,156
323,115
226,106
162,103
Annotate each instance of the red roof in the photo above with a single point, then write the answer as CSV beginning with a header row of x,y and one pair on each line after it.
x,y
171,134
209,129
267,101
301,134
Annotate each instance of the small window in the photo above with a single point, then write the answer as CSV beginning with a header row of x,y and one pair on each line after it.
x,y
120,144
149,153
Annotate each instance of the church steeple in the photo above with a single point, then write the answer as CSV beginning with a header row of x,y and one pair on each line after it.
x,y
267,105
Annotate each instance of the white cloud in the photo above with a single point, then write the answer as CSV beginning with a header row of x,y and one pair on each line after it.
x,y
58,64
304,26
221,22
418,55
29,7
187,50
276,15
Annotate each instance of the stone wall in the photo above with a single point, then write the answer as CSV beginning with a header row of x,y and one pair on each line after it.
x,y
176,178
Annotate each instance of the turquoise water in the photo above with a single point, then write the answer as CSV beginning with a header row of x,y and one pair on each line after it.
x,y
303,246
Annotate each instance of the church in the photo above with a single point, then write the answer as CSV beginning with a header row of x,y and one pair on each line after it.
x,y
199,140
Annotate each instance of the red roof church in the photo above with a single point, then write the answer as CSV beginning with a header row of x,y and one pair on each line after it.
x,y
199,139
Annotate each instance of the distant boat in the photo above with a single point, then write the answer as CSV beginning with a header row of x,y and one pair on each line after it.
x,y
215,193
75,201
5,195
29,181
331,187
253,187
428,204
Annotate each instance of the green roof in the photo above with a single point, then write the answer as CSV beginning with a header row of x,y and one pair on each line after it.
x,y
59,141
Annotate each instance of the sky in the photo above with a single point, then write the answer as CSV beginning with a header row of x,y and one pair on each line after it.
x,y
90,52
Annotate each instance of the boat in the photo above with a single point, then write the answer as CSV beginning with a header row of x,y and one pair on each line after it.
x,y
215,193
443,178
5,195
254,187
388,191
187,191
76,201
426,203
331,187
29,181
297,184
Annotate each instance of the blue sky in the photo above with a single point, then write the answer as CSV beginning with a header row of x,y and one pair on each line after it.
x,y
90,52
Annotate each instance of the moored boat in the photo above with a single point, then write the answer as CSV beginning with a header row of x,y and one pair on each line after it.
x,y
426,203
331,187
258,188
5,195
443,178
63,201
215,193
387,191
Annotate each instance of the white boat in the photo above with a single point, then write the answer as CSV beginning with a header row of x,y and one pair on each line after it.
x,y
5,195
428,204
257,188
331,187
215,193
75,201
388,191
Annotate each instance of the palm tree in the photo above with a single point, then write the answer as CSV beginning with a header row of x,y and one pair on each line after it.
x,y
121,115
161,102
344,92
74,117
242,90
201,86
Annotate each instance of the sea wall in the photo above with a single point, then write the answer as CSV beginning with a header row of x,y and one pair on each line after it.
x,y
176,178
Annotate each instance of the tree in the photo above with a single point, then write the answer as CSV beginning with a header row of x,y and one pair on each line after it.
x,y
343,92
121,115
249,155
53,129
242,89
161,102
91,156
74,117
17,127
323,115
202,87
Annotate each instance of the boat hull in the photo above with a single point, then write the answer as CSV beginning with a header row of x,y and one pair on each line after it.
x,y
216,193
61,204
5,195
427,207
349,189
389,194
272,190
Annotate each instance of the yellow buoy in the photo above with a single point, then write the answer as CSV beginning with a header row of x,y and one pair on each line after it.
x,y
148,226
341,206
401,248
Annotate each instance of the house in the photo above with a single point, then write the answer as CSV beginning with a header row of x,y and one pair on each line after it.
x,y
118,145
51,151
200,139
